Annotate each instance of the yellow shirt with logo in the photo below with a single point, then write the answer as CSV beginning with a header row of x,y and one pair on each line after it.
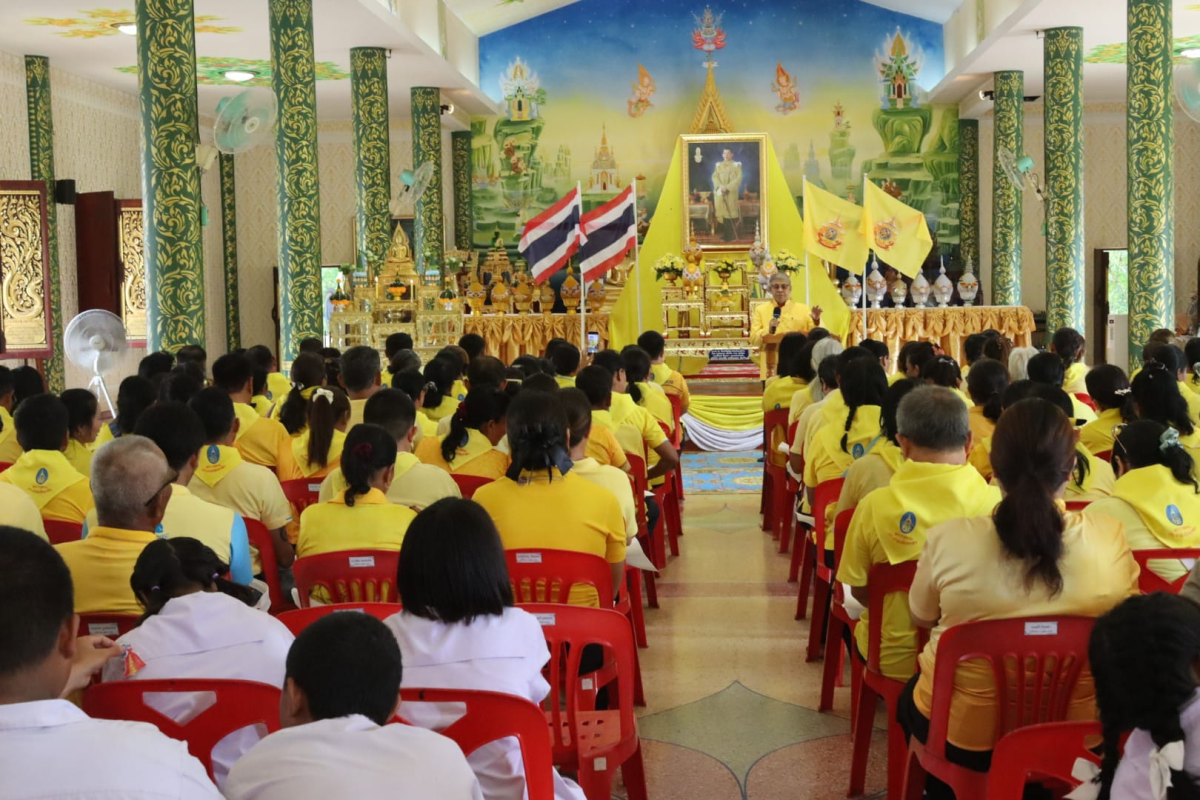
x,y
332,461
566,513
656,402
1157,512
265,442
965,575
80,457
252,490
673,383
604,447
278,387
779,392
56,487
415,485
20,511
873,471
800,401
101,566
372,523
458,392
10,451
1097,435
478,457
889,527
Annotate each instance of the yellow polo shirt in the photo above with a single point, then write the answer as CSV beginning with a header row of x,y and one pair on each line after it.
x,y
673,383
356,412
447,407
625,412
479,458
872,471
567,513
108,432
415,485
265,442
56,488
801,400
458,392
425,426
1085,412
603,446
262,404
565,381
981,426
80,457
793,317
1097,435
10,451
278,387
779,393
372,523
100,568
20,511
249,489
332,461
1074,378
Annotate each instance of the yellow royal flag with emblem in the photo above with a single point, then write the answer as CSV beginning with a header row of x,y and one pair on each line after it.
x,y
833,229
896,232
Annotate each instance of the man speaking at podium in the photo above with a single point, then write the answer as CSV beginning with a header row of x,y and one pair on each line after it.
x,y
782,316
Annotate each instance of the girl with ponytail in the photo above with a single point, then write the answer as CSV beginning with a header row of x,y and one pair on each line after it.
x,y
1191,353
440,375
540,503
1171,357
361,517
1029,558
1156,496
876,467
318,449
650,397
198,625
1143,657
1156,396
1109,389
942,370
1069,345
476,427
308,375
986,383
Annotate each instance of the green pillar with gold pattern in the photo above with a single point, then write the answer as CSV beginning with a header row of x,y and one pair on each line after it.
x,y
1063,50
229,251
429,224
298,208
41,168
372,156
464,211
1009,115
1150,143
968,183
174,254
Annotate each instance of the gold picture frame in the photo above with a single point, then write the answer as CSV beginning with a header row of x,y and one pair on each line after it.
x,y
706,215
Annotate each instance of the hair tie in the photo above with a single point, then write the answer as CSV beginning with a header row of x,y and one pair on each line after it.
x,y
1122,392
326,393
154,588
364,450
1155,365
216,575
1162,761
1088,775
1196,368
1169,439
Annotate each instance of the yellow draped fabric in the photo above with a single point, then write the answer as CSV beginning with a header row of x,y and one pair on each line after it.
x,y
728,413
948,327
512,335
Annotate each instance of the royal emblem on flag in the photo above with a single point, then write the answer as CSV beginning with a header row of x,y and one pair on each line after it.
x,y
830,234
885,234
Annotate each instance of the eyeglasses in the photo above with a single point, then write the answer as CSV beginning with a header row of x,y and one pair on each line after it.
x,y
159,491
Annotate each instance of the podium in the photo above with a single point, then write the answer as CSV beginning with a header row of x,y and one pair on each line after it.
x,y
770,353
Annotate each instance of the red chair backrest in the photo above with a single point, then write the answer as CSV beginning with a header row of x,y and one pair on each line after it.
x,y
59,531
468,484
1087,400
568,629
110,625
301,493
491,716
825,495
1104,455
883,580
260,540
301,618
1077,505
5,465
547,576
1035,663
238,704
1149,582
1038,752
349,576
637,477
775,430
677,412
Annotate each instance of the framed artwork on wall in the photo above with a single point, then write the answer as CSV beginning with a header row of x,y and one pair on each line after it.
x,y
724,189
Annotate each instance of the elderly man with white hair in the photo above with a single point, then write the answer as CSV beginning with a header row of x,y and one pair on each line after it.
x,y
131,484
782,316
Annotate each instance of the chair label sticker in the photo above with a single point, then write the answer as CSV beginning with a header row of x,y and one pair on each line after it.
x,y
529,558
1041,629
362,561
103,629
547,620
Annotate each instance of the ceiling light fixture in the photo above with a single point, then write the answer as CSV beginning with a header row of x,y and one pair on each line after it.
x,y
447,108
1191,52
127,28
240,75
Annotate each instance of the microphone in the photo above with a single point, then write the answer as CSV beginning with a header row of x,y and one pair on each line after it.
x,y
775,313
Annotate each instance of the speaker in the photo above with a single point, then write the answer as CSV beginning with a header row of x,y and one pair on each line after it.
x,y
64,192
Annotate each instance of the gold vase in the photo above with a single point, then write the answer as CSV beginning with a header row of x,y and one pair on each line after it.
x,y
571,292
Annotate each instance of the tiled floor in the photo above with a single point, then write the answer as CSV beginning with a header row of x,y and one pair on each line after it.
x,y
732,705
723,472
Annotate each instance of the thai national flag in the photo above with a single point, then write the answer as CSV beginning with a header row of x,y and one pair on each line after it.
x,y
610,232
552,237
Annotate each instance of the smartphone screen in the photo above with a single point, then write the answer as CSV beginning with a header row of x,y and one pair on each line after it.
x,y
593,340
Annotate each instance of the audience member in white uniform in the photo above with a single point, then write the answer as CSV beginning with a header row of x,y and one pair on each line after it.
x,y
341,690
48,747
198,625
459,630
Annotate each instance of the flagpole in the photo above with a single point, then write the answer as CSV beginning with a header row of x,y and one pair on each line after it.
x,y
870,252
637,273
807,280
582,283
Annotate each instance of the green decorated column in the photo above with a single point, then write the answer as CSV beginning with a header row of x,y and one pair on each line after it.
x,y
174,253
1151,185
298,208
41,168
968,183
464,211
1009,117
229,252
372,157
430,221
1063,49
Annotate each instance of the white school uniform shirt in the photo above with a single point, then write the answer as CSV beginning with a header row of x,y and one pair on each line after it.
x,y
352,757
213,636
1132,779
502,654
50,748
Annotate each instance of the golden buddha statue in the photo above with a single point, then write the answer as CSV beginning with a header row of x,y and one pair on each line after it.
x,y
398,268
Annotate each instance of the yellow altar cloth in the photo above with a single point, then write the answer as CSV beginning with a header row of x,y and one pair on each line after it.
x,y
512,335
947,327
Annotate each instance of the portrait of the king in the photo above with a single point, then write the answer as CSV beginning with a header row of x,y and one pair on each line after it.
x,y
725,191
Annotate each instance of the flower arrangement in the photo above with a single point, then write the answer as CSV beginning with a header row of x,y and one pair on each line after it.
x,y
724,265
669,266
786,261
453,263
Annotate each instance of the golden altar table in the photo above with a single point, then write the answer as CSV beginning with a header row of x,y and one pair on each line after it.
x,y
947,327
512,335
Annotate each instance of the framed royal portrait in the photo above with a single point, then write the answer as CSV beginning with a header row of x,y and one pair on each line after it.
x,y
724,189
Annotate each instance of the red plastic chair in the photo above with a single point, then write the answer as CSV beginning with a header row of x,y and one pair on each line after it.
x,y
775,426
301,493
825,498
349,576
298,619
666,495
1104,455
1039,752
110,625
839,622
883,580
787,522
652,546
1149,582
469,484
593,742
59,531
1077,505
260,540
239,704
800,560
492,716
5,465
1035,674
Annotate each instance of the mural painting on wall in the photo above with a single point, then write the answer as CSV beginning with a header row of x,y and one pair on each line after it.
x,y
837,85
